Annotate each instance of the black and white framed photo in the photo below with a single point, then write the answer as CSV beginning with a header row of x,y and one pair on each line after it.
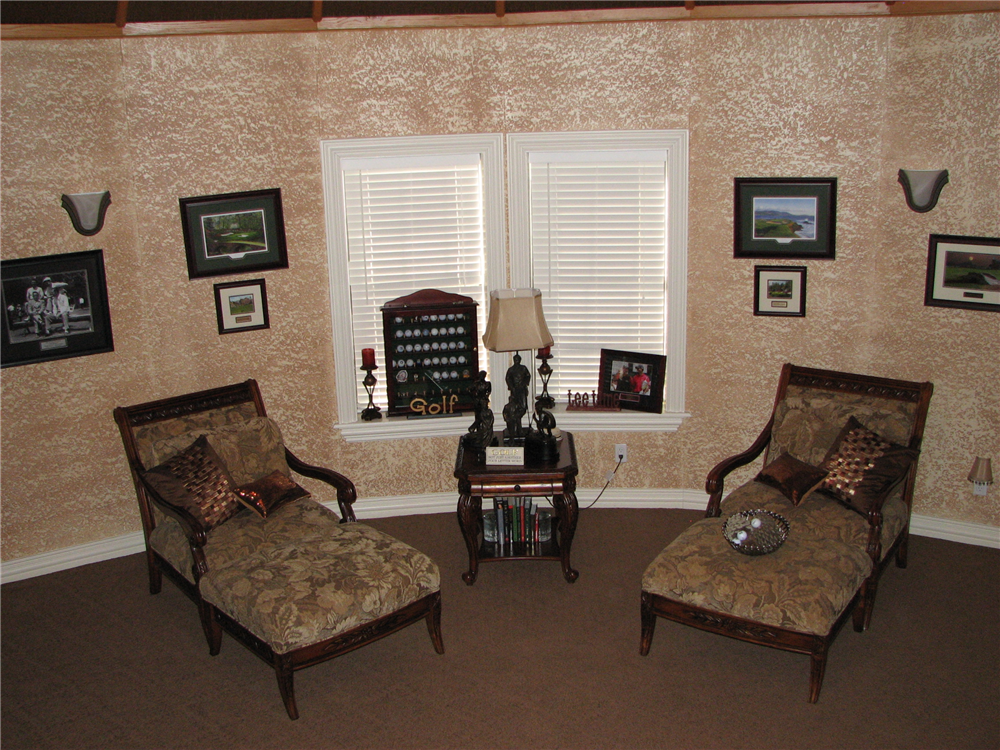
x,y
241,306
55,307
635,378
234,233
785,217
963,272
779,290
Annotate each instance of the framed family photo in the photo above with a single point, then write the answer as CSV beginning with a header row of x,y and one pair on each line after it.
x,y
55,307
636,379
241,306
779,290
963,272
234,233
785,218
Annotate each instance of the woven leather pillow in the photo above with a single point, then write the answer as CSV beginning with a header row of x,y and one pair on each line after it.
x,y
265,495
197,480
862,466
792,478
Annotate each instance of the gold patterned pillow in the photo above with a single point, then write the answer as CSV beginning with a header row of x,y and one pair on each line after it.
x,y
792,478
863,466
197,481
265,495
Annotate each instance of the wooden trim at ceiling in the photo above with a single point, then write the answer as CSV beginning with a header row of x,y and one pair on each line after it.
x,y
692,11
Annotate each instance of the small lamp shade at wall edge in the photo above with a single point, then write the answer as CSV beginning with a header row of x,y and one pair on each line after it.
x,y
981,475
87,211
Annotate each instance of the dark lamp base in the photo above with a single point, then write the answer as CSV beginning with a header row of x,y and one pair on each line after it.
x,y
541,448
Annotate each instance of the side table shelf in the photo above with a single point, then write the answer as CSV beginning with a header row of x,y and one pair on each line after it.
x,y
557,480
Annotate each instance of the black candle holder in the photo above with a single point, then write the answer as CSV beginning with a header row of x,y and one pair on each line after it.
x,y
371,412
545,372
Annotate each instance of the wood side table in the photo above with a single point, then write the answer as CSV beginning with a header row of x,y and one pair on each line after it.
x,y
557,480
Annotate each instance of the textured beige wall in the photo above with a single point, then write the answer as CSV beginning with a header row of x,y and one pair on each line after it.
x,y
156,119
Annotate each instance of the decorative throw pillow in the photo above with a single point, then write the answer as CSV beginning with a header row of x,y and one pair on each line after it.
x,y
793,478
197,480
862,466
267,494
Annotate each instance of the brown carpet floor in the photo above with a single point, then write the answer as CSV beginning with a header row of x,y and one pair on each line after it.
x,y
91,660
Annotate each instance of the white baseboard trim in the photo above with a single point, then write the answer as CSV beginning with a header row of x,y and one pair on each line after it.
x,y
445,502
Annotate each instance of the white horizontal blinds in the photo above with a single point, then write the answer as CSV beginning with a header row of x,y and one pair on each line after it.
x,y
412,223
598,253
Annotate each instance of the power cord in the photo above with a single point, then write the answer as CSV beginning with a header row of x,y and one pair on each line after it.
x,y
607,484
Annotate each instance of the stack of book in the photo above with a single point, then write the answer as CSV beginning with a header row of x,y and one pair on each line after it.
x,y
520,525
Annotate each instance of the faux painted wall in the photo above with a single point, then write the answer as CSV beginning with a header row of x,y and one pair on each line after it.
x,y
156,119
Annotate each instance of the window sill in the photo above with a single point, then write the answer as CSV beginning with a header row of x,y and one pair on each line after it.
x,y
400,428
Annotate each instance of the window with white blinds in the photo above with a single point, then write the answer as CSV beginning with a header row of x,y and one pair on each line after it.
x,y
599,225
412,224
598,253
403,215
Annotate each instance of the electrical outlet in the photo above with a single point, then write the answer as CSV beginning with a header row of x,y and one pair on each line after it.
x,y
621,452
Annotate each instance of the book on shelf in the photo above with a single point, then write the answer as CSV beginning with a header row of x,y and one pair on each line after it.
x,y
519,521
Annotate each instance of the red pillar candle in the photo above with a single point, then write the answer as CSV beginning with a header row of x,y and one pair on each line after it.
x,y
368,358
545,351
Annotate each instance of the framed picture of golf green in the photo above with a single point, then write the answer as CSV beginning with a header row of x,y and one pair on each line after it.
x,y
241,306
234,233
779,290
785,217
963,272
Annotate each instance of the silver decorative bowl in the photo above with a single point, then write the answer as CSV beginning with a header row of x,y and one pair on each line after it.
x,y
755,532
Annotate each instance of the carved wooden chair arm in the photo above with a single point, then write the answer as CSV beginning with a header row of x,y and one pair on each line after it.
x,y
715,482
346,492
196,533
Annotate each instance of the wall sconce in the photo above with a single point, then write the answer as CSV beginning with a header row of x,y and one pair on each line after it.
x,y
87,210
981,475
922,187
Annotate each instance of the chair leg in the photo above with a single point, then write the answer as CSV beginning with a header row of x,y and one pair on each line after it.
x,y
286,684
210,624
434,626
817,670
902,550
648,625
155,574
866,603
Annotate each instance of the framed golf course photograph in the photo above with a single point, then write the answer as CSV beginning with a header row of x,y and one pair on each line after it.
x,y
963,272
241,306
785,217
234,233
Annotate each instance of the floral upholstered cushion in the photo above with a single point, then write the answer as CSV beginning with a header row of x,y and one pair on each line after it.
x,y
301,577
203,421
251,448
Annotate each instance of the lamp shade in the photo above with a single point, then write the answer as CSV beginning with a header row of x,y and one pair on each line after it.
x,y
516,321
982,471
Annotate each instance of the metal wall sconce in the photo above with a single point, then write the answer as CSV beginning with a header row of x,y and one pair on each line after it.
x,y
87,211
981,476
922,187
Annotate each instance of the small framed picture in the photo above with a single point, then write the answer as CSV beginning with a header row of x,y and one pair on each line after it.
x,y
779,290
55,307
636,379
963,272
241,306
234,233
785,218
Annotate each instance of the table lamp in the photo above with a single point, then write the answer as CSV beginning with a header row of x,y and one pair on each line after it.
x,y
516,324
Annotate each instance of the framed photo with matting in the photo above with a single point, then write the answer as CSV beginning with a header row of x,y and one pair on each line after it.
x,y
779,290
55,307
241,306
234,233
785,218
635,378
963,272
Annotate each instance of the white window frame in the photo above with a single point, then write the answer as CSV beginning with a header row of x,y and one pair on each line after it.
x,y
674,143
489,147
